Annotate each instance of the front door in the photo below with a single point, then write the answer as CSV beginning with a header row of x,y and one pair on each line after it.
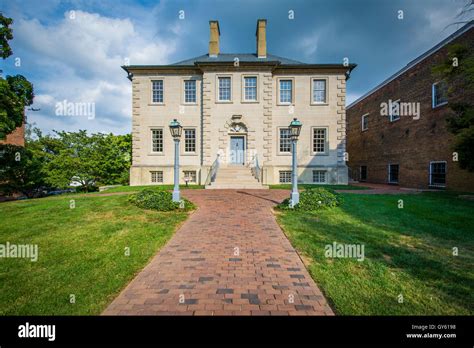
x,y
237,150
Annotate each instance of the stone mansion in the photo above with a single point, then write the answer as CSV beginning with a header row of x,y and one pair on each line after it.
x,y
235,110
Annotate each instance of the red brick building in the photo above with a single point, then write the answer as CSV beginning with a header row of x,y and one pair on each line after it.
x,y
396,133
17,137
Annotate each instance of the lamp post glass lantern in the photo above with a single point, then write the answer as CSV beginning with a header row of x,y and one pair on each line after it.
x,y
176,129
295,129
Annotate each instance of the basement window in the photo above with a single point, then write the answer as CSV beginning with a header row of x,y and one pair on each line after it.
x,y
438,173
319,176
285,176
363,173
393,173
156,176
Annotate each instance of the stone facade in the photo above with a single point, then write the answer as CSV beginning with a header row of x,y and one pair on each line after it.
x,y
410,143
258,122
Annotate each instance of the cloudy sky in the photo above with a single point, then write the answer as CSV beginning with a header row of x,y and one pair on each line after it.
x,y
72,50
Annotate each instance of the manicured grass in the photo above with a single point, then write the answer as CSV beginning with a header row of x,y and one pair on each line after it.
x,y
81,251
408,251
331,187
157,187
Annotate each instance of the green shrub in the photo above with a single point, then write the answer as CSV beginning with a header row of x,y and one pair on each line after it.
x,y
160,200
314,199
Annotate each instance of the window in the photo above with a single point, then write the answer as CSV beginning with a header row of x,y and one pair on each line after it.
x,y
395,111
285,176
157,91
319,140
189,140
286,91
285,140
365,122
319,176
439,94
319,91
190,176
157,140
250,88
363,173
156,176
438,174
393,173
224,89
190,91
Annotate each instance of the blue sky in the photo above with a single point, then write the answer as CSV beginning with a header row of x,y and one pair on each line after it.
x,y
76,56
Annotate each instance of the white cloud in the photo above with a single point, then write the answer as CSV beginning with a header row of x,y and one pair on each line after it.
x,y
80,59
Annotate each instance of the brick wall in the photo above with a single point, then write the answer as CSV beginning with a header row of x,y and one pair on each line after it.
x,y
17,137
410,143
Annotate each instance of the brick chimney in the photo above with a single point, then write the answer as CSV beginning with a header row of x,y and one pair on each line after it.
x,y
214,38
261,38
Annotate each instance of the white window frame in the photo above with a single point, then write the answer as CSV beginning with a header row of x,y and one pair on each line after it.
x,y
326,141
324,172
244,99
433,96
391,116
162,140
280,172
184,140
292,79
195,92
279,141
315,78
218,100
156,172
366,116
445,173
389,173
162,91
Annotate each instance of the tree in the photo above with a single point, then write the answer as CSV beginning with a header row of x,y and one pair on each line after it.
x,y
21,170
5,35
458,71
16,92
90,161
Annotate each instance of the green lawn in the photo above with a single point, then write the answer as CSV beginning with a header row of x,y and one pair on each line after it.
x,y
155,187
81,251
408,251
331,187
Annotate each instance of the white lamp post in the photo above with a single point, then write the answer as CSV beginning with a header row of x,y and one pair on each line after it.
x,y
295,129
176,129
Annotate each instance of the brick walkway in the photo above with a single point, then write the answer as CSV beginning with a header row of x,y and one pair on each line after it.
x,y
201,272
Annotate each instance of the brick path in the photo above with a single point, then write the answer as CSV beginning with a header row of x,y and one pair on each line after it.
x,y
198,272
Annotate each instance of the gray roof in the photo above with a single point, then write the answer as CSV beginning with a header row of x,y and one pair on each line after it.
x,y
243,57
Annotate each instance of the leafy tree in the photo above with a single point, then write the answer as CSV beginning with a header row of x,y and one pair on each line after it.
x,y
16,92
90,161
21,170
5,35
458,71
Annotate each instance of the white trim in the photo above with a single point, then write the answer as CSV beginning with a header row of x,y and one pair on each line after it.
x,y
326,92
243,100
414,62
433,98
390,111
389,173
362,122
285,78
230,85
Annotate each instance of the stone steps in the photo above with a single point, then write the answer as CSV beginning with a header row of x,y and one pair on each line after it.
x,y
235,177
